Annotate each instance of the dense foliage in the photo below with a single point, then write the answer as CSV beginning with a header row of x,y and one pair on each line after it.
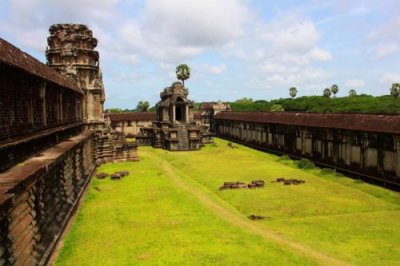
x,y
183,73
356,103
142,106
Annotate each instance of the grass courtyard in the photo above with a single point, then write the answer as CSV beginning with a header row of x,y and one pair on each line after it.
x,y
169,211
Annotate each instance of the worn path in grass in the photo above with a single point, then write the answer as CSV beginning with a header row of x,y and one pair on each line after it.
x,y
170,211
237,219
148,218
335,215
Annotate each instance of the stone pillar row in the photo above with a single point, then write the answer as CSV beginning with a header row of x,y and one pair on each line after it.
x,y
321,145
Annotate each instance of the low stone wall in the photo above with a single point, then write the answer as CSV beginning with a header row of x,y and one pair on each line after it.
x,y
38,197
373,155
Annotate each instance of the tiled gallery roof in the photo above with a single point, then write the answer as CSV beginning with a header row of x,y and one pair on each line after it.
x,y
11,55
350,121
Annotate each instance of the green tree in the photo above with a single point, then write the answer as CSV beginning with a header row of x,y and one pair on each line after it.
x,y
277,108
352,93
334,89
293,92
114,110
142,106
183,73
327,93
244,100
395,90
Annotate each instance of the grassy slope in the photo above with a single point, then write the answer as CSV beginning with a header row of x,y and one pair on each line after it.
x,y
146,218
351,220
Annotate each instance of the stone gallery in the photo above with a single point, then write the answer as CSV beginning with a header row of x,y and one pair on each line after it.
x,y
175,128
52,137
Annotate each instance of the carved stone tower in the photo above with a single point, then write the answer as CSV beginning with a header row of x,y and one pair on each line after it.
x,y
175,128
71,52
174,106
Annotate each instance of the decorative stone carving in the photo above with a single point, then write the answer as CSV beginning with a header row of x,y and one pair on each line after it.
x,y
71,51
175,128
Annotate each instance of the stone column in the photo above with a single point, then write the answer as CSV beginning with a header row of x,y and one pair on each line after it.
x,y
187,113
62,108
43,100
173,113
348,149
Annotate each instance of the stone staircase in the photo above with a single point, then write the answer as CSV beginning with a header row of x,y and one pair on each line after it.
x,y
183,144
104,148
112,147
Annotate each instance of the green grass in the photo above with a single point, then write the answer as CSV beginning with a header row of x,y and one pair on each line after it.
x,y
130,140
157,216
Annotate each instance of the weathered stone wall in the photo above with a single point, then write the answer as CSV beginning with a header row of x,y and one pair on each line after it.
x,y
131,128
46,157
38,106
129,123
72,52
112,146
371,154
29,103
38,197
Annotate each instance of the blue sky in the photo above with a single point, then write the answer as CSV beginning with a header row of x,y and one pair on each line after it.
x,y
235,48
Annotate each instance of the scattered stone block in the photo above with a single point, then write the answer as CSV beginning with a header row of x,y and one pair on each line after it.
x,y
123,173
256,217
251,186
290,181
243,185
258,183
102,175
116,176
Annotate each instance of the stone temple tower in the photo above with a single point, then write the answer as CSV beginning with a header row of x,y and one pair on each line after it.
x,y
71,52
175,128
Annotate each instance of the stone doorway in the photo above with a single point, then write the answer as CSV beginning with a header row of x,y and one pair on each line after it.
x,y
180,111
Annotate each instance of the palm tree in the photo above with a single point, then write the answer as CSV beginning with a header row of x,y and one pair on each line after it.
x,y
183,73
352,93
293,92
395,90
334,89
327,93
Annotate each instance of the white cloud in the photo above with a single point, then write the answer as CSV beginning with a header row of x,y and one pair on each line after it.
x,y
279,75
283,53
383,40
314,55
174,31
214,69
383,50
354,83
28,21
195,23
389,78
291,34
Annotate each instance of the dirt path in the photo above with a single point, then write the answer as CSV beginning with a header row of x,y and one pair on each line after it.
x,y
238,220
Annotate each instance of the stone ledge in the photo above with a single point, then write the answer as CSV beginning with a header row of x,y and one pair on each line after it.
x,y
16,179
24,138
